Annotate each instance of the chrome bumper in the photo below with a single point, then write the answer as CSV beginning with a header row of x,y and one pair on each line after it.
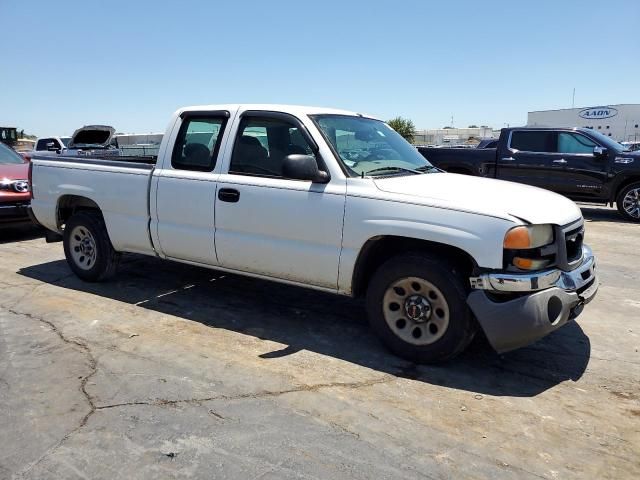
x,y
533,282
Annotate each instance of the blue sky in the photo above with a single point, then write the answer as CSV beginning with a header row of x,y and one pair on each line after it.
x,y
132,63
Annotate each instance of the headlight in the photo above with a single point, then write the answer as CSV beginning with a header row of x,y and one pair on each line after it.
x,y
530,236
524,247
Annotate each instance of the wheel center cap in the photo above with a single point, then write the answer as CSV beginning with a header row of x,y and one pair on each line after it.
x,y
417,308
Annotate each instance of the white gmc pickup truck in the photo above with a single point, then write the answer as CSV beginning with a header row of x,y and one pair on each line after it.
x,y
336,201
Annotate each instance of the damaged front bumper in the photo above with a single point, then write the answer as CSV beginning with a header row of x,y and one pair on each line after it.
x,y
515,310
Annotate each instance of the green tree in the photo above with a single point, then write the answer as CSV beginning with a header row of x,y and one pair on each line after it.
x,y
404,127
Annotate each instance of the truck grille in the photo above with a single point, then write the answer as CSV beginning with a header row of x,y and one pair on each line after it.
x,y
573,242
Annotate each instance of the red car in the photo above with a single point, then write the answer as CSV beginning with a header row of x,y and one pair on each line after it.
x,y
14,187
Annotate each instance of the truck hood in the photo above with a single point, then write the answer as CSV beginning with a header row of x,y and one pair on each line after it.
x,y
628,158
484,196
92,136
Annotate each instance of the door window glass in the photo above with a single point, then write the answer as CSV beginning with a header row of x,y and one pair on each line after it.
x,y
197,144
532,141
262,145
42,143
574,143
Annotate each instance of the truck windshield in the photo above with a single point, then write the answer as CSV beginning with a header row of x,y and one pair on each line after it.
x,y
370,147
8,156
608,142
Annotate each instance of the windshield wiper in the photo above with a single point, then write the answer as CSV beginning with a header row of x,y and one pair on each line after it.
x,y
393,169
427,168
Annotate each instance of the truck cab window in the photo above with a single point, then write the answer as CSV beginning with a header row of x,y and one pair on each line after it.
x,y
532,141
42,143
197,144
574,143
263,143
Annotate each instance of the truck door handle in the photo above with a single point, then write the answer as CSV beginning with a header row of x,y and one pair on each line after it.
x,y
508,159
562,160
229,195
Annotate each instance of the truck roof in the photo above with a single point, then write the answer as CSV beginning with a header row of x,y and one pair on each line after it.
x,y
267,107
542,127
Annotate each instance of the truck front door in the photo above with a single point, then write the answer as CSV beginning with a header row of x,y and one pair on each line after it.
x,y
272,225
583,174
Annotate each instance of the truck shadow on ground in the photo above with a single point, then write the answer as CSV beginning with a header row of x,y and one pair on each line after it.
x,y
11,233
602,214
326,324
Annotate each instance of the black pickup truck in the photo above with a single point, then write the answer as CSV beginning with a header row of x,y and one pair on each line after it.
x,y
579,163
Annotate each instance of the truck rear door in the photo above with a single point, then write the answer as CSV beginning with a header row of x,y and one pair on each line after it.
x,y
185,189
526,159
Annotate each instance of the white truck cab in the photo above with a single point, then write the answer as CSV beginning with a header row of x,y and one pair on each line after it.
x,y
51,144
336,201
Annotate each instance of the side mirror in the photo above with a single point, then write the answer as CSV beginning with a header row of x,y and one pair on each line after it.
x,y
303,167
599,151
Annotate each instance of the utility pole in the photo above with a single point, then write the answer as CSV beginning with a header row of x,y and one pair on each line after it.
x,y
573,98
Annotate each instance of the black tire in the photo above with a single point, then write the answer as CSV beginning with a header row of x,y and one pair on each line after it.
x,y
461,325
620,202
105,261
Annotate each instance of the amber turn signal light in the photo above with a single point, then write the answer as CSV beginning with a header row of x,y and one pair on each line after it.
x,y
517,239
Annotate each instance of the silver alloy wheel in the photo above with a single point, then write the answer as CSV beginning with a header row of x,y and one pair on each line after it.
x,y
416,311
83,247
631,203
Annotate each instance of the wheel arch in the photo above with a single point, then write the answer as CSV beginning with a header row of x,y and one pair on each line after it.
x,y
624,182
69,204
379,249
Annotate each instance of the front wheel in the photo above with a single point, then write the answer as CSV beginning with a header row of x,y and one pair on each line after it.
x,y
87,247
417,306
628,202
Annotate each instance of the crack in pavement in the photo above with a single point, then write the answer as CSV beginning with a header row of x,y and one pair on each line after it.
x,y
262,394
32,289
93,366
83,346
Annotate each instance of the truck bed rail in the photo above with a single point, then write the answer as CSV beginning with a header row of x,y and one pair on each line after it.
x,y
107,160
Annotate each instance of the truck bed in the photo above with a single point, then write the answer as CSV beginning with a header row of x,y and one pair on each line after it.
x,y
118,186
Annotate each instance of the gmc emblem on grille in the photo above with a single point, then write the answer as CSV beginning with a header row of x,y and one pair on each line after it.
x,y
21,186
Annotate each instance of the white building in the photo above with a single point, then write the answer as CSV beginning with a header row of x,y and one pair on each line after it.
x,y
620,122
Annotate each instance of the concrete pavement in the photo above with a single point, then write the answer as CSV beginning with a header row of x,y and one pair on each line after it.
x,y
171,371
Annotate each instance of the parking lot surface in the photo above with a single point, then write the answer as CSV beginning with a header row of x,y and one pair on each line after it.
x,y
171,371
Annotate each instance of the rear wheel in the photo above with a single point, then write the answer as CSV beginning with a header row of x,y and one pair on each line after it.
x,y
628,202
88,249
417,306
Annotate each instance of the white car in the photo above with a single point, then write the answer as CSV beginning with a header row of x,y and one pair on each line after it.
x,y
268,191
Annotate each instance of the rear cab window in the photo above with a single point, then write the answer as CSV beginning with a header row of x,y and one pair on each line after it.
x,y
46,143
537,141
198,142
